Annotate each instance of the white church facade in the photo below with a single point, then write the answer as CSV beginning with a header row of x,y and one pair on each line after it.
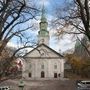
x,y
43,62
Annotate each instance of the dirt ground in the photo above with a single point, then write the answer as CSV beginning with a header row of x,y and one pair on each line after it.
x,y
41,85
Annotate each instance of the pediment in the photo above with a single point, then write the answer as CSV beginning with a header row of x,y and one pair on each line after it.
x,y
43,51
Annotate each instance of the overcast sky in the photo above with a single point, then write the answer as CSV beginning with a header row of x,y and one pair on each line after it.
x,y
59,45
65,42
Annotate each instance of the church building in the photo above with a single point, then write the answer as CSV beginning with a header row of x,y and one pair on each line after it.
x,y
43,62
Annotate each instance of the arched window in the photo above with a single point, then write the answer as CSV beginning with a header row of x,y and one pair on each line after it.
x,y
30,66
42,74
42,66
55,66
30,74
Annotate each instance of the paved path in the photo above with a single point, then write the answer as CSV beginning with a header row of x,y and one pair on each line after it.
x,y
42,85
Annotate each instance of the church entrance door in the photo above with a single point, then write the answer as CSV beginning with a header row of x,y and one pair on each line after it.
x,y
42,74
55,75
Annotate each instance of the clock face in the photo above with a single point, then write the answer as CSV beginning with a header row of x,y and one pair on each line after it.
x,y
41,41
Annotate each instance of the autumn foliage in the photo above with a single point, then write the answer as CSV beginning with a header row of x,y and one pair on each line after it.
x,y
79,65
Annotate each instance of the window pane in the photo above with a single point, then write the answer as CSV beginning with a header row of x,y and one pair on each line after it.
x,y
55,66
42,66
30,66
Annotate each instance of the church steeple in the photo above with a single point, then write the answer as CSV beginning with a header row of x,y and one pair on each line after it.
x,y
43,17
43,34
43,23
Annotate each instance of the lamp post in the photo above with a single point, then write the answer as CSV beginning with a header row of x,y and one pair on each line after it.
x,y
21,85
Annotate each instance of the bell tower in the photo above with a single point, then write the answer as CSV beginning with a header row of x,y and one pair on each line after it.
x,y
43,34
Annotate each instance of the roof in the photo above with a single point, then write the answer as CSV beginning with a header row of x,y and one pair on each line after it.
x,y
61,56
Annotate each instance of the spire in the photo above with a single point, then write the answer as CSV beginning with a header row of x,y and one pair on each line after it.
x,y
43,17
43,23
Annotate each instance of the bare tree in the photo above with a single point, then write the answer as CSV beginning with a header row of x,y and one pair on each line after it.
x,y
74,13
14,17
14,13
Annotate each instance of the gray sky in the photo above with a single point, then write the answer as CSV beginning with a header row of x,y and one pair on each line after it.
x,y
63,44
